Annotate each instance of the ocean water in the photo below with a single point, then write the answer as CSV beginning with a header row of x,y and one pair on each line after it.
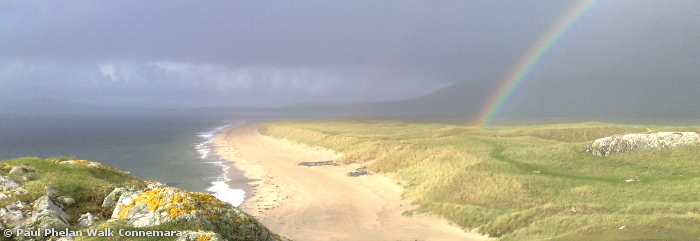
x,y
170,147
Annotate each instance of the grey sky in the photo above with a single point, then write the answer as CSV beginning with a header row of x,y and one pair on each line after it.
x,y
224,53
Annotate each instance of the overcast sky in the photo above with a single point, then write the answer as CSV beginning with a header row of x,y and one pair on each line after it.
x,y
270,53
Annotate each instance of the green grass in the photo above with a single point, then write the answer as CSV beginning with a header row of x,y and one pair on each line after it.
x,y
523,182
87,186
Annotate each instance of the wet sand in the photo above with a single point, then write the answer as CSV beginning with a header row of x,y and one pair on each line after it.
x,y
322,202
236,179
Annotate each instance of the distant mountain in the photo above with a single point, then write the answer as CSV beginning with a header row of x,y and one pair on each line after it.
x,y
463,100
572,99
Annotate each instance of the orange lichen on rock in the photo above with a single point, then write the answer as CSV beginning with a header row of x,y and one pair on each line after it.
x,y
175,203
168,204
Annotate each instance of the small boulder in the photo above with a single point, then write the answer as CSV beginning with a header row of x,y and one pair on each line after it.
x,y
8,184
20,191
86,220
201,235
112,198
150,184
17,205
47,215
12,218
22,169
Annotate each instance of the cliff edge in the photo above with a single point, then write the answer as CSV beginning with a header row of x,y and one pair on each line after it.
x,y
61,199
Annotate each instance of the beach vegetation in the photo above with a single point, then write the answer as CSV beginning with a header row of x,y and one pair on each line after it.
x,y
523,182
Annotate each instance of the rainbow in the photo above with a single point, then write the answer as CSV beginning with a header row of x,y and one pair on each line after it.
x,y
525,66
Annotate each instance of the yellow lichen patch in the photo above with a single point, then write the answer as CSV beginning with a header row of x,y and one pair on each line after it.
x,y
177,203
169,204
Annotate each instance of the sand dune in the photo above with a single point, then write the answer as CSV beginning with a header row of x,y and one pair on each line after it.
x,y
322,202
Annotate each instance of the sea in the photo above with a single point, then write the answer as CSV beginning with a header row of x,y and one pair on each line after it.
x,y
172,147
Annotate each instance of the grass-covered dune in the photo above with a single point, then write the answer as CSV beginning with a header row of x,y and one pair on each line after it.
x,y
524,182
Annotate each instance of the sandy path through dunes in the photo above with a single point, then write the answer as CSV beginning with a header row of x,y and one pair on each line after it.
x,y
323,203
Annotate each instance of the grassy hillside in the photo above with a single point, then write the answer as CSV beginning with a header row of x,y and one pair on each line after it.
x,y
86,185
524,182
59,193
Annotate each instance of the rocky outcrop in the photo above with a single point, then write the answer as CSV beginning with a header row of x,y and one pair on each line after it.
x,y
44,214
140,206
167,204
637,142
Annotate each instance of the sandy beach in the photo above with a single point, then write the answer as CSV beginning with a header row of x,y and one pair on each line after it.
x,y
322,202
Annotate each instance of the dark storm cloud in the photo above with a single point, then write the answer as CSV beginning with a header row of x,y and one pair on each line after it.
x,y
447,39
166,84
330,50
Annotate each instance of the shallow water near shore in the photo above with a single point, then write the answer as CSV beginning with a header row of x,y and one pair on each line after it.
x,y
229,185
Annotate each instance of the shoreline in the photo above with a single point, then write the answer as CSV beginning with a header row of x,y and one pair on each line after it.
x,y
248,174
322,202
230,185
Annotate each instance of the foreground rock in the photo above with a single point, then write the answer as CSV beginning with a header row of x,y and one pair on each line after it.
x,y
133,205
637,142
167,204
